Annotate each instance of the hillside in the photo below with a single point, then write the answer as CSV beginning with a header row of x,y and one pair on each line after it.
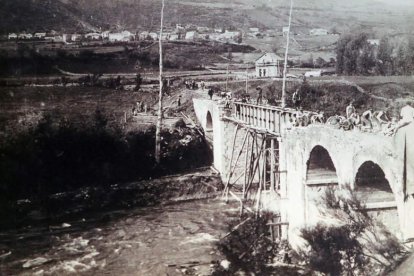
x,y
370,15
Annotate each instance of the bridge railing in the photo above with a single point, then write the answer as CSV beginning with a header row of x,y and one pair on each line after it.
x,y
271,118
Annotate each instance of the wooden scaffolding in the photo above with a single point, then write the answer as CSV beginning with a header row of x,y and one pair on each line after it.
x,y
260,167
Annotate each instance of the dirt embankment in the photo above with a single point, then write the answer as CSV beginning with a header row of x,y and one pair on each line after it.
x,y
202,183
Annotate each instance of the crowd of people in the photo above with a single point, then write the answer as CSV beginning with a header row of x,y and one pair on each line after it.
x,y
372,121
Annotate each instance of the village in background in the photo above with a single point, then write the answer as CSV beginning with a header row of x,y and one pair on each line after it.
x,y
206,137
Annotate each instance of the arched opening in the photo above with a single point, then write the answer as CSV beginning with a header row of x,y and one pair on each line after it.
x,y
371,184
209,122
320,168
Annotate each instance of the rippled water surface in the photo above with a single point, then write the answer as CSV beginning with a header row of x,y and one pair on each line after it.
x,y
167,240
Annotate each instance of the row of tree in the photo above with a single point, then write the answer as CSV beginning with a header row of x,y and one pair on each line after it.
x,y
356,55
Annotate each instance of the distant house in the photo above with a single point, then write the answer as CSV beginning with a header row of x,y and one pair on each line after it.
x,y
58,38
192,35
121,37
268,66
165,36
25,36
203,29
285,31
12,36
93,36
40,35
143,35
174,37
105,34
204,36
311,74
76,37
218,30
179,27
65,37
254,30
374,42
153,36
318,32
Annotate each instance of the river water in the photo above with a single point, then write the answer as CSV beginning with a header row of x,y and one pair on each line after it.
x,y
165,240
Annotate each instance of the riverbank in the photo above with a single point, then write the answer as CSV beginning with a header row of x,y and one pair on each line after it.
x,y
59,208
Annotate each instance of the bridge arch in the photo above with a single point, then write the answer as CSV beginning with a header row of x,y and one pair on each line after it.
x,y
371,183
209,121
320,167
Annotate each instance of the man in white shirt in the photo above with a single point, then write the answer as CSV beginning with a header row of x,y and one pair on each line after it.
x,y
407,117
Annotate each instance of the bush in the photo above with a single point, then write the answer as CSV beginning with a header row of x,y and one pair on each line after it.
x,y
249,248
356,247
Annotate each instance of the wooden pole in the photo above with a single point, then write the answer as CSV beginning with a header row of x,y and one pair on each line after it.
x,y
272,165
227,78
286,57
159,120
226,188
245,164
231,161
247,79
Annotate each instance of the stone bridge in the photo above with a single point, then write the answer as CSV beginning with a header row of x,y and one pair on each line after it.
x,y
298,164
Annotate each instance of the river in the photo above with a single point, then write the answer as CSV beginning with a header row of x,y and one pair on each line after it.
x,y
165,240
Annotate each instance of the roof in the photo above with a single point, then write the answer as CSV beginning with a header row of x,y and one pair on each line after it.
x,y
268,58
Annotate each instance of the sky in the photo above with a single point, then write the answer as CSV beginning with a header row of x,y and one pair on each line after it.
x,y
398,2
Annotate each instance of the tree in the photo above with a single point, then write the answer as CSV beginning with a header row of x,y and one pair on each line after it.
x,y
159,119
138,81
340,53
229,53
354,55
384,64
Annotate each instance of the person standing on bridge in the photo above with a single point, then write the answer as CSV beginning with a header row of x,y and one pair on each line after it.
x,y
179,101
407,117
350,109
366,119
210,93
259,95
296,98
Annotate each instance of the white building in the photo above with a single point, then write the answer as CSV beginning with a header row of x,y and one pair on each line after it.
x,y
174,37
153,35
192,35
143,35
285,31
76,37
25,36
268,66
227,36
93,36
254,30
12,36
311,74
105,34
203,29
374,42
165,36
122,36
318,32
40,35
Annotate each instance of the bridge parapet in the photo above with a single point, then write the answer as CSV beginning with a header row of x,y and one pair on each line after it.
x,y
272,118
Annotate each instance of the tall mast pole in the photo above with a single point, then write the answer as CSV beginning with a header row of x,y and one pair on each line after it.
x,y
227,77
286,57
247,78
159,120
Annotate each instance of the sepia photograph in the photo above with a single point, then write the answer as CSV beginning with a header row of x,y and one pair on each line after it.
x,y
207,137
